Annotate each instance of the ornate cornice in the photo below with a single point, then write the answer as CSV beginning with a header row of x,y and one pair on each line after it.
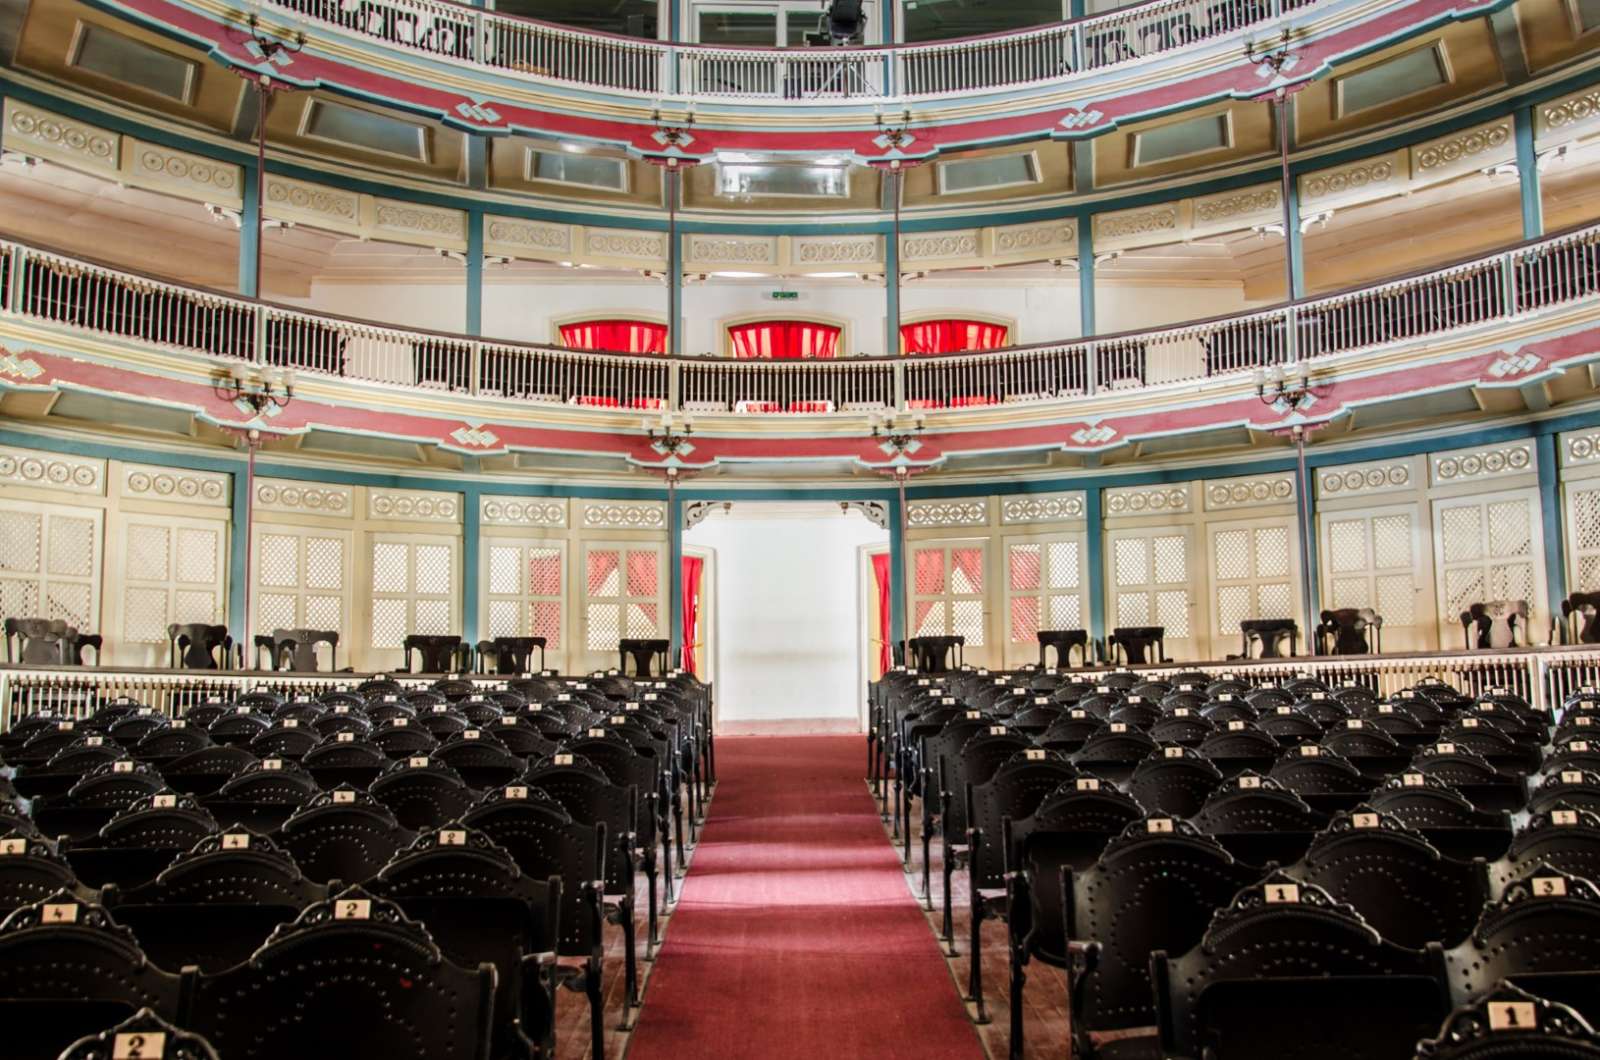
x,y
1048,239
52,471
836,250
204,488
1472,149
1042,507
413,222
522,511
1122,224
1370,178
939,246
181,173
1580,447
623,243
316,203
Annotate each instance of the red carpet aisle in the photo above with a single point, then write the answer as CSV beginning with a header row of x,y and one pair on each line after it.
x,y
796,935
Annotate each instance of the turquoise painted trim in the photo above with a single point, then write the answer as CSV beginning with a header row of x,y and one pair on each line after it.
x,y
1555,527
891,294
249,232
675,580
477,162
474,272
1077,9
471,543
1086,321
897,572
1306,507
1528,174
1095,561
238,551
1295,242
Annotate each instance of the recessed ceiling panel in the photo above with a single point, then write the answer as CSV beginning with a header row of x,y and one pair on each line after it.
x,y
1407,74
1181,139
137,64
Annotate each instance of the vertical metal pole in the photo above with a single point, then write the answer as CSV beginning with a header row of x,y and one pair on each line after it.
x,y
263,88
674,571
891,260
253,440
1307,543
674,262
900,475
1291,223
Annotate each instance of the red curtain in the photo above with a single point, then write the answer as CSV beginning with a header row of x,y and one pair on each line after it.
x,y
618,336
880,574
952,336
782,340
692,566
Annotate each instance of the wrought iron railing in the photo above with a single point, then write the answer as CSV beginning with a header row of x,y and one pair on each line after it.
x,y
86,297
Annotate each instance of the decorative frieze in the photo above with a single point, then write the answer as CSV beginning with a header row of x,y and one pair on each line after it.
x,y
1370,178
1249,492
315,204
275,495
1049,239
180,173
1232,210
924,514
425,506
1471,465
52,471
1580,447
32,130
1149,500
1570,115
432,226
835,250
203,488
1042,507
939,246
1476,148
523,511
1355,479
624,515
625,243
1137,226
704,249
518,236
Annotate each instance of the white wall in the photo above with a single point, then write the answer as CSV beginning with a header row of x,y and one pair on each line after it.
x,y
787,633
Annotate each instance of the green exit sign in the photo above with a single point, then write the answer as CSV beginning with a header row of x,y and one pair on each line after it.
x,y
785,296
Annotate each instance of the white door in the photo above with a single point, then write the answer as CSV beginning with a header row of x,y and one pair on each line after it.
x,y
1255,573
523,582
1372,557
624,588
948,580
1489,547
1045,589
1149,584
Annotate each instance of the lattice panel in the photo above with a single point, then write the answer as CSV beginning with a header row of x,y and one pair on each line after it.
x,y
21,536
434,570
544,571
149,548
545,621
432,617
605,625
1347,545
929,579
194,605
604,575
505,577
1392,542
72,603
1171,560
1461,531
1023,568
1231,560
324,563
1273,600
966,620
389,624
1024,613
966,571
324,612
1132,555
1585,519
275,611
1065,571
1272,552
1133,609
278,561
19,596
930,616
1588,574
642,620
1511,581
1510,529
1396,599
505,618
1351,592
1463,587
643,578
144,615
72,546
390,568
1066,612
198,552
1233,604
1172,611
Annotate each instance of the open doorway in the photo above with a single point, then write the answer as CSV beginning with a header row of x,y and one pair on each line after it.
x,y
786,613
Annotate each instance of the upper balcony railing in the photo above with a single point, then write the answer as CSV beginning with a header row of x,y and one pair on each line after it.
x,y
47,287
656,69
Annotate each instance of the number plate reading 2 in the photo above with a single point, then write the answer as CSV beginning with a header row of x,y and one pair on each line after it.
x,y
352,909
139,1045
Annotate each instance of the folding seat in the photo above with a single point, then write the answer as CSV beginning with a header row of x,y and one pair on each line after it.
x,y
480,758
1229,708
1101,702
924,749
129,730
1152,690
344,835
975,763
1324,709
1396,879
1269,698
67,766
1369,748
1184,726
343,718
262,795
1356,696
1136,712
1189,699
387,710
1444,816
1035,717
301,708
32,869
422,793
1484,736
1071,691
545,841
216,903
1574,754
322,968
625,765
289,738
1576,788
1400,723
1174,780
480,908
1542,934
1508,1023
1285,970
479,711
141,840
1113,752
1226,685
333,700
1121,680
508,701
1154,887
1304,686
1195,679
1470,774
94,800
238,728
200,716
587,795
1427,712
441,721
67,970
1259,820
1512,716
454,688
1238,746
1326,781
1289,726
169,743
1562,837
345,758
1068,733
1572,727
28,726
400,739
143,1034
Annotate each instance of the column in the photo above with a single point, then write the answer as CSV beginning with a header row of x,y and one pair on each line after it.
x,y
471,542
675,576
249,229
897,571
1095,561
1528,174
1086,274
474,272
238,549
1555,528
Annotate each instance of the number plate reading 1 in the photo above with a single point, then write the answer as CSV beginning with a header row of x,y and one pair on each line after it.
x,y
236,841
563,760
164,802
1545,886
1364,820
352,909
1578,745
1158,825
1447,748
1412,780
1309,750
1172,752
1282,893
1034,754
1512,1016
452,837
1568,776
344,796
1088,784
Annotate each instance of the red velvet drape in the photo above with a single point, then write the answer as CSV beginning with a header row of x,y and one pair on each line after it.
x,y
880,574
784,340
952,336
692,568
620,336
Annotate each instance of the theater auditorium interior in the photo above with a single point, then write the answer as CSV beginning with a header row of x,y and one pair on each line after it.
x,y
779,529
